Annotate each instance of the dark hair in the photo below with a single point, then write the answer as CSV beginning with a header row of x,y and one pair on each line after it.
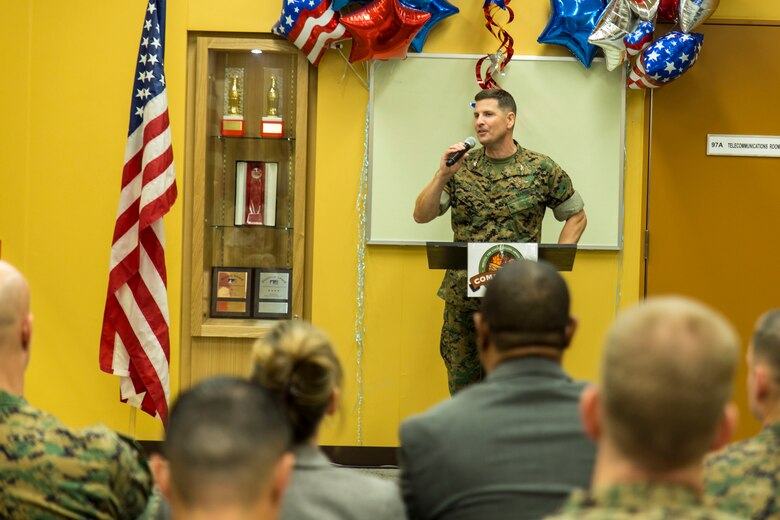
x,y
527,304
505,100
225,436
296,362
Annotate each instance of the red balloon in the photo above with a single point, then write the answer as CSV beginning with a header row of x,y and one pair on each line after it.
x,y
383,30
668,10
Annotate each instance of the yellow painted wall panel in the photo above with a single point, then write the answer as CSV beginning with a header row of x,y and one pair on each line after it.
x,y
14,105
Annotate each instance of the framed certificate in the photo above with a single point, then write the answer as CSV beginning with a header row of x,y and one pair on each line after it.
x,y
273,294
231,292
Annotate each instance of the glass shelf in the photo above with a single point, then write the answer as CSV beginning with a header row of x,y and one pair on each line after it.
x,y
252,228
251,137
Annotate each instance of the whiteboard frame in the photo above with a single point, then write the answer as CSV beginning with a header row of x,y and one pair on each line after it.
x,y
474,57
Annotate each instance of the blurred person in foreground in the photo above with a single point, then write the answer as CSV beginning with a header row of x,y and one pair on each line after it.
x,y
511,446
744,478
297,363
48,470
225,455
667,375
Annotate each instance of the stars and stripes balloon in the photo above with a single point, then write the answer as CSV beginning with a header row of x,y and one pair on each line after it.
x,y
693,13
311,25
571,23
665,60
638,39
382,29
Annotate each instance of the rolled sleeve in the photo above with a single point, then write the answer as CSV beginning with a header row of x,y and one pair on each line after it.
x,y
444,202
569,207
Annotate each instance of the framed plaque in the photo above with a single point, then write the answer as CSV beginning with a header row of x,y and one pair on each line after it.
x,y
273,294
231,292
256,193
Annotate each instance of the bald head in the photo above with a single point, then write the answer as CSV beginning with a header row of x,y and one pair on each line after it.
x,y
14,305
527,304
668,370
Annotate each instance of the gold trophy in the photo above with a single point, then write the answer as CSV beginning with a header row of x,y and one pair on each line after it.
x,y
233,109
272,125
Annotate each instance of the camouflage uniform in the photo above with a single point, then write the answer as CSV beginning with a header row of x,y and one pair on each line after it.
x,y
494,204
744,477
644,501
50,471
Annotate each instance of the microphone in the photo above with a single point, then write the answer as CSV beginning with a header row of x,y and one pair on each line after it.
x,y
470,143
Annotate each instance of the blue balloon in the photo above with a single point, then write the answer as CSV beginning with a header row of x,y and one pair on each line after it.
x,y
338,4
439,9
570,24
499,3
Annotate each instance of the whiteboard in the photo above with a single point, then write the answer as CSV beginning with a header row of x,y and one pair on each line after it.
x,y
421,105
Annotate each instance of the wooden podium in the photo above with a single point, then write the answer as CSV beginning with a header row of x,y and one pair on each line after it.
x,y
453,255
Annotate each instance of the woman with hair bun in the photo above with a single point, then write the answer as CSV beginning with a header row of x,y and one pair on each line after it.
x,y
297,362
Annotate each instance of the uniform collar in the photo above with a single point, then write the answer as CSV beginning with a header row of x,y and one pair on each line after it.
x,y
638,496
308,456
528,366
479,162
7,399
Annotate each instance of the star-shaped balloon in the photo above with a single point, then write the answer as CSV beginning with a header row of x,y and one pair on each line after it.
x,y
644,9
311,25
439,10
383,30
665,60
570,24
613,26
668,10
693,13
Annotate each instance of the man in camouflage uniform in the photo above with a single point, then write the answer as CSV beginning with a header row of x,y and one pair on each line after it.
x,y
48,470
667,376
744,478
498,193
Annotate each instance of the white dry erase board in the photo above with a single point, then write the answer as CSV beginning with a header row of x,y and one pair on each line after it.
x,y
421,105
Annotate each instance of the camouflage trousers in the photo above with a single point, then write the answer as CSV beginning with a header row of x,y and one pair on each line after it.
x,y
458,347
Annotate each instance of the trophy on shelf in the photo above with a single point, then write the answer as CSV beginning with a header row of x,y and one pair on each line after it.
x,y
233,106
272,124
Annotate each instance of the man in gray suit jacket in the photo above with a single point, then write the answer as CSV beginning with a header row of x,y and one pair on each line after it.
x,y
511,446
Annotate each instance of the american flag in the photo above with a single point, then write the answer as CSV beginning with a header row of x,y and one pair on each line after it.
x,y
311,25
134,342
665,60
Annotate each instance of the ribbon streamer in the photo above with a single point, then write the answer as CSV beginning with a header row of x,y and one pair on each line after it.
x,y
360,314
505,51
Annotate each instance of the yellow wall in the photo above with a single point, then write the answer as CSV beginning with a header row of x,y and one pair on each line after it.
x,y
64,135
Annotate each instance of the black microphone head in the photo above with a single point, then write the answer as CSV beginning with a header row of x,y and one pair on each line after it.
x,y
470,142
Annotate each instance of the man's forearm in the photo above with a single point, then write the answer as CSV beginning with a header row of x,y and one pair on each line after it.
x,y
573,228
427,207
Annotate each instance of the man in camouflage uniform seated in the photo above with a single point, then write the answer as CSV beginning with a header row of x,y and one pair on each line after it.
x,y
48,470
498,193
667,376
744,478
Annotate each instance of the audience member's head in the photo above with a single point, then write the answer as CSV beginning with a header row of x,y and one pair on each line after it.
x,y
763,360
15,328
667,376
226,452
525,310
297,362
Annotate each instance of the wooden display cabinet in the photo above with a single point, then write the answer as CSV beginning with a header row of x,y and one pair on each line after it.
x,y
245,196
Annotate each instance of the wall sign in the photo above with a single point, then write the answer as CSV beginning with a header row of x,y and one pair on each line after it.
x,y
743,145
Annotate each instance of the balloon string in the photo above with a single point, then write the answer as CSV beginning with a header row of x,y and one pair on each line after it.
x,y
349,66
